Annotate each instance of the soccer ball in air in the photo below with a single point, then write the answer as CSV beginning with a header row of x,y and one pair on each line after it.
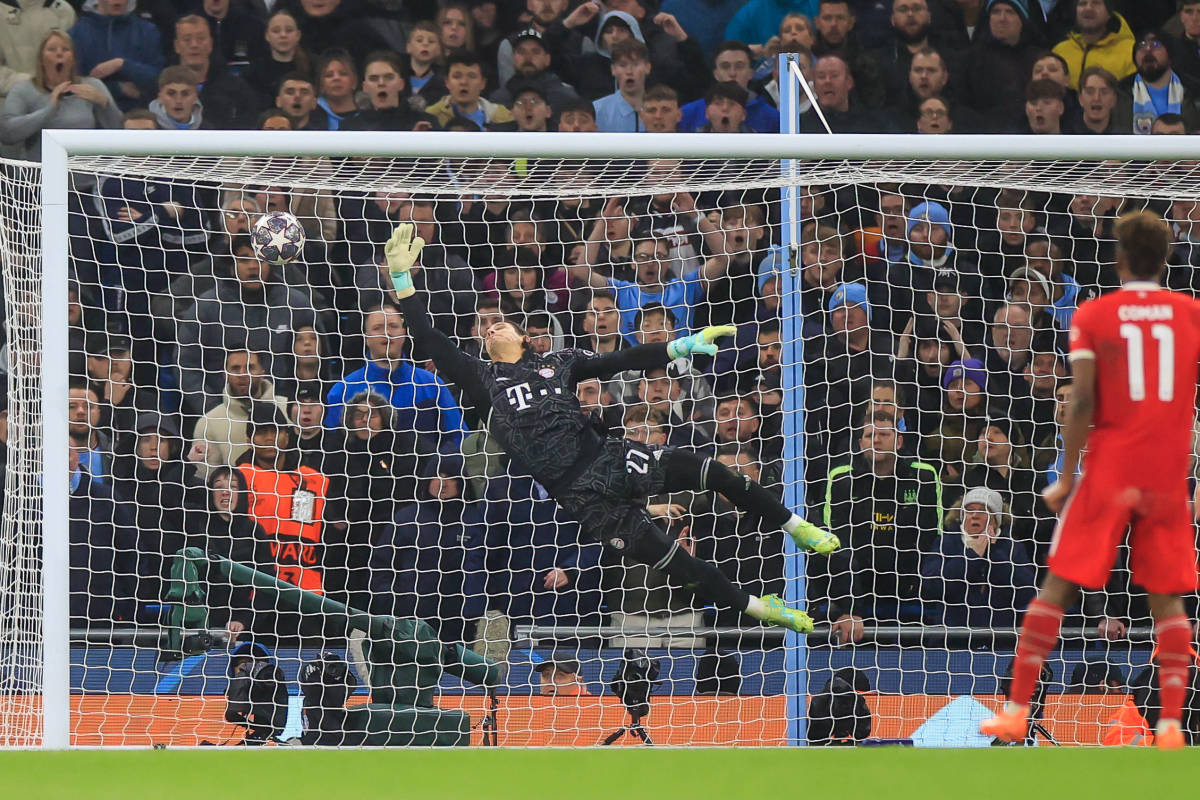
x,y
278,238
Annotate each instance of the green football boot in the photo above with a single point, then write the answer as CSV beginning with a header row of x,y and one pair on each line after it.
x,y
810,537
780,614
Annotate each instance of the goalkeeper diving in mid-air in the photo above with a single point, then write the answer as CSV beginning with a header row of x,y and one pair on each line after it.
x,y
529,404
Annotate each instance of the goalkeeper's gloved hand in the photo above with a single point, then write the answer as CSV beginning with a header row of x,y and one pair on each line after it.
x,y
402,251
701,342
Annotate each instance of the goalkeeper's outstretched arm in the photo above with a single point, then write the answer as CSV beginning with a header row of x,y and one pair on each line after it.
x,y
402,251
650,356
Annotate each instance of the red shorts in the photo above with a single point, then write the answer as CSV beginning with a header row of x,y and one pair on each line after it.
x,y
1162,542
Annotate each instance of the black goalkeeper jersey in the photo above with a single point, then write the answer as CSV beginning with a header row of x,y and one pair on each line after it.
x,y
530,406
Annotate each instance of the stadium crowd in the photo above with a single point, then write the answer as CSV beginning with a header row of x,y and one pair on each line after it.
x,y
278,415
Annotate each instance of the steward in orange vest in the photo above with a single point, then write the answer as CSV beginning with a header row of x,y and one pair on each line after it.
x,y
286,499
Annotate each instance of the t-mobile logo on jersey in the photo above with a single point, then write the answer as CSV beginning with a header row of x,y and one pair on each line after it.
x,y
519,396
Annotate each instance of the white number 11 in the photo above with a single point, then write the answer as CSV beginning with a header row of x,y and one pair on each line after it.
x,y
1135,344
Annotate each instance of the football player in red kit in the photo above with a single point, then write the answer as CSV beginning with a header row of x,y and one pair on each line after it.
x,y
1135,358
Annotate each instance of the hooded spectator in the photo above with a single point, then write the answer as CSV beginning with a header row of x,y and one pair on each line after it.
x,y
630,67
152,476
675,57
430,562
380,465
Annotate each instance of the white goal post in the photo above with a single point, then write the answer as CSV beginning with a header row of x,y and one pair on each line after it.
x,y
1032,163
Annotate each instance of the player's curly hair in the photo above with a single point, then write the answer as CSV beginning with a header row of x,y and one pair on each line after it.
x,y
1143,241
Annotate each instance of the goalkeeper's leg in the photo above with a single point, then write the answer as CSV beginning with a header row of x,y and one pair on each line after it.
x,y
686,470
642,540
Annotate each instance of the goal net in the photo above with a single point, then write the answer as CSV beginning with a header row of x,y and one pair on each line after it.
x,y
282,525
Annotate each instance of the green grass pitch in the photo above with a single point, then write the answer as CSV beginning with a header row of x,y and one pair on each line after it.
x,y
618,774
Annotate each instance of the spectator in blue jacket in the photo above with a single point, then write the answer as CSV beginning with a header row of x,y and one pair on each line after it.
x,y
430,564
977,575
422,401
759,20
655,284
538,570
733,63
120,48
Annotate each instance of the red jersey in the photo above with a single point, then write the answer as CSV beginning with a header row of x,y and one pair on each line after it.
x,y
1145,341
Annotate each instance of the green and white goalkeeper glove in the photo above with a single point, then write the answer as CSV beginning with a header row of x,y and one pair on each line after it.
x,y
402,252
699,343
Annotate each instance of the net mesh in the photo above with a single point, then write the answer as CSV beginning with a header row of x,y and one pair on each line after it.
x,y
388,501
20,524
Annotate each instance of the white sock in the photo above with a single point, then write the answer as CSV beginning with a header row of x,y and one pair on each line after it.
x,y
755,608
793,523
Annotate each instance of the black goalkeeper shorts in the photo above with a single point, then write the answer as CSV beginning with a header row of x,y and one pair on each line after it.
x,y
609,499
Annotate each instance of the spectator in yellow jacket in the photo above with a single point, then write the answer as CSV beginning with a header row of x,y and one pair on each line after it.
x,y
1101,38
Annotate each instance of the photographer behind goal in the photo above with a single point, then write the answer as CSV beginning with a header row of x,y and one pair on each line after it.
x,y
528,403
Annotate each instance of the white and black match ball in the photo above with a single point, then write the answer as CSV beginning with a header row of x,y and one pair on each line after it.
x,y
278,238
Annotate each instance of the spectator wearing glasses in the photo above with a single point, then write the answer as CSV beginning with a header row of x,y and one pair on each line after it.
x,y
1155,89
933,116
